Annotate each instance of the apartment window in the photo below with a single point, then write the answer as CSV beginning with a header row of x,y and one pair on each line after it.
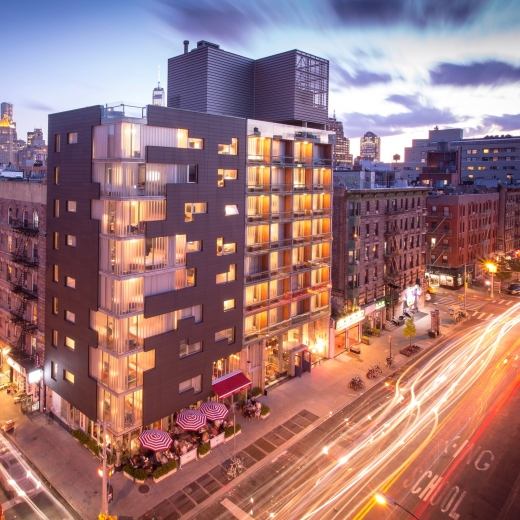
x,y
54,370
229,149
71,206
228,334
229,304
56,208
191,208
56,240
193,173
230,276
190,277
187,348
68,376
195,142
72,138
471,168
485,150
54,305
423,160
193,246
231,209
195,384
70,317
70,343
224,175
56,175
70,282
70,240
57,142
55,273
225,249
54,338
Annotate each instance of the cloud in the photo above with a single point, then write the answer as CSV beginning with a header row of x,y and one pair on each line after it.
x,y
36,105
491,72
491,125
417,13
360,78
418,115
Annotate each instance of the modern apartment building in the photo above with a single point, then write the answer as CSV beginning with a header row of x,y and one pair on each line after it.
x,y
188,245
379,256
462,227
22,274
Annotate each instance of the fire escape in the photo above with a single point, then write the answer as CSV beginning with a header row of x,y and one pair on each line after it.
x,y
393,251
438,246
20,285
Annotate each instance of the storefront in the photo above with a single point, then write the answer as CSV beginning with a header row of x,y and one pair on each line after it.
x,y
346,331
374,316
411,297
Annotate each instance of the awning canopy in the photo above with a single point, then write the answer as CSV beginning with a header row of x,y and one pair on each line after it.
x,y
230,384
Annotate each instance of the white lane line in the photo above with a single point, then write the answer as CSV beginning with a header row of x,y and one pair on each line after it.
x,y
501,301
475,313
481,315
509,302
235,510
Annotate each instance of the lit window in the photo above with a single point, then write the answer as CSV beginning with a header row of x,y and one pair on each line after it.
x,y
54,305
470,176
71,240
423,160
71,206
56,208
72,138
481,168
228,334
190,277
195,384
70,316
485,150
70,282
191,208
229,304
229,149
68,376
230,276
69,342
188,348
55,273
56,175
225,249
54,338
56,240
231,209
57,142
194,245
194,142
54,370
224,175
471,167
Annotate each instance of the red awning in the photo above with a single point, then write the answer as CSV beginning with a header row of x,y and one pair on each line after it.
x,y
230,384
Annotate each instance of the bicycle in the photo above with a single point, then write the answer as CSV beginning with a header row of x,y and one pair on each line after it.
x,y
235,467
377,369
389,361
356,383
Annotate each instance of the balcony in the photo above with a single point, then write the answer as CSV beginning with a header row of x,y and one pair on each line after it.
x,y
257,187
439,231
392,232
393,253
439,215
353,269
353,242
354,220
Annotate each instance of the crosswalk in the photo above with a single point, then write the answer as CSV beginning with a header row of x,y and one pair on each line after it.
x,y
503,302
482,315
470,305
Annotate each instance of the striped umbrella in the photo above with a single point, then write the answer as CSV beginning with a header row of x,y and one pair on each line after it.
x,y
191,420
214,411
155,440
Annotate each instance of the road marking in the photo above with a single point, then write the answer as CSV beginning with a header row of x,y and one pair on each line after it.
x,y
501,301
509,302
235,510
481,315
475,313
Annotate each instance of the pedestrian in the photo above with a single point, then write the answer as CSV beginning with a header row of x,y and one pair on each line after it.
x,y
49,416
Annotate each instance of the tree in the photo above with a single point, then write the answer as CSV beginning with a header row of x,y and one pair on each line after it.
x,y
409,329
396,157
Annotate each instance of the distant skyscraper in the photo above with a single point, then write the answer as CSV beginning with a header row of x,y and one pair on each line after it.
x,y
342,155
158,91
7,108
370,147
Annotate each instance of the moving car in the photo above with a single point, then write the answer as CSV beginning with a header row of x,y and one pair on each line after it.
x,y
514,288
402,378
431,290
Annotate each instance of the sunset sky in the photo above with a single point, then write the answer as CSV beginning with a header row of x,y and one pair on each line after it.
x,y
397,67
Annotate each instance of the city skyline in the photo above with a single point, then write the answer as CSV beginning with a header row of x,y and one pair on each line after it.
x,y
397,69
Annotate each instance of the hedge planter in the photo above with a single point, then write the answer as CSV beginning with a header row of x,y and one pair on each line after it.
x,y
165,471
265,411
376,332
128,476
135,474
365,340
229,433
203,450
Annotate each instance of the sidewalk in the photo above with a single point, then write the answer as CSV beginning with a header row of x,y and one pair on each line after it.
x,y
295,406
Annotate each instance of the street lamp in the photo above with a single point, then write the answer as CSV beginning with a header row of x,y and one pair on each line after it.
x,y
390,360
492,268
383,498
103,472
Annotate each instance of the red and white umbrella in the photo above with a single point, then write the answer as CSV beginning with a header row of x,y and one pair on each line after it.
x,y
214,411
155,440
191,420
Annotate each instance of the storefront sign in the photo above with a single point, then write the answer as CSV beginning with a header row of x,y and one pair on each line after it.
x,y
14,364
35,376
349,320
380,304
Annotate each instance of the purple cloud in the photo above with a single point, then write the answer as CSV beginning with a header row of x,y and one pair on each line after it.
x,y
35,105
492,72
360,78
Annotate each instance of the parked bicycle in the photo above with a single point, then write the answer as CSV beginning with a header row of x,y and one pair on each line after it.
x,y
356,383
234,468
374,371
389,361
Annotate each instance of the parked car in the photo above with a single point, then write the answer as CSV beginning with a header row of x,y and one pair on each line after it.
x,y
431,290
514,288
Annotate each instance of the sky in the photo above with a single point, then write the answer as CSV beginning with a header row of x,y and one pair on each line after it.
x,y
397,67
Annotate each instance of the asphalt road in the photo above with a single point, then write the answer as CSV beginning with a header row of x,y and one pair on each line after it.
x,y
415,448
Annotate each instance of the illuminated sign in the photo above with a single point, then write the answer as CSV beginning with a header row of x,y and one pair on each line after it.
x,y
351,319
14,364
381,304
35,376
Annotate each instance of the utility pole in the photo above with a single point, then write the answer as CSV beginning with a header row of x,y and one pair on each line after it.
x,y
465,287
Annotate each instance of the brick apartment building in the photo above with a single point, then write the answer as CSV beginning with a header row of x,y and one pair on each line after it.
x,y
379,257
191,245
22,273
508,239
462,227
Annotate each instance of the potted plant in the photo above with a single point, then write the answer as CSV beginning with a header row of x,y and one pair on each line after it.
x,y
264,411
376,332
365,340
256,391
229,432
135,474
204,450
164,471
128,472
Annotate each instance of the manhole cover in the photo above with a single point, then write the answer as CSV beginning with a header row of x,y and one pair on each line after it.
x,y
144,488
